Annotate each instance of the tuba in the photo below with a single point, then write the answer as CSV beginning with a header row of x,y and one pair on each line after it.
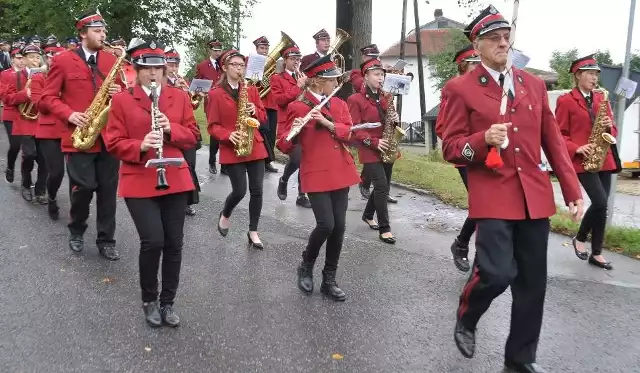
x,y
85,137
27,110
270,66
392,133
341,37
599,138
245,124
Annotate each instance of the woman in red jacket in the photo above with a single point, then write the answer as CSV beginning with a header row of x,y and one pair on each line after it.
x,y
223,115
575,113
370,106
327,170
157,214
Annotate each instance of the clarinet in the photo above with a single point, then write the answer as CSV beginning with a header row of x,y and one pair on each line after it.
x,y
161,172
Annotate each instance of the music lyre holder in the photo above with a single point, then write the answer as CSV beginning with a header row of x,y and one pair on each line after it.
x,y
159,165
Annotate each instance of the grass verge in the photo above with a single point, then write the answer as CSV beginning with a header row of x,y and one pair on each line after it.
x,y
440,179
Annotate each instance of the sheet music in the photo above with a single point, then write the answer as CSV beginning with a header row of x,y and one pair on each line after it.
x,y
400,64
356,127
626,87
200,85
255,66
520,60
397,84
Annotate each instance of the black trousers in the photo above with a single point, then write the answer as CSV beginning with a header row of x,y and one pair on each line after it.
x,y
214,145
598,186
364,180
509,253
330,211
293,165
14,145
379,174
469,225
190,156
89,173
160,223
269,133
254,171
54,159
32,153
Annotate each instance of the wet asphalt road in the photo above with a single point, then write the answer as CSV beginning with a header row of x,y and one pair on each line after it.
x,y
241,310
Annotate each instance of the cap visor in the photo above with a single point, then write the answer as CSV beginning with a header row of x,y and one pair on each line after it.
x,y
472,59
590,67
333,73
150,61
493,27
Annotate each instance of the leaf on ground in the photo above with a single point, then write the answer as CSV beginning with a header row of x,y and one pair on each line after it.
x,y
337,356
565,244
147,349
106,280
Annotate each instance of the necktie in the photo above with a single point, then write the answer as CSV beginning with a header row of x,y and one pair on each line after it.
x,y
509,94
294,76
92,60
589,101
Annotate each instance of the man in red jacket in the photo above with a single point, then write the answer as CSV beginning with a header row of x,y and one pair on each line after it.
x,y
510,196
10,112
72,83
323,43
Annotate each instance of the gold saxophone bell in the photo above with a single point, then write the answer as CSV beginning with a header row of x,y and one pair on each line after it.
x,y
609,138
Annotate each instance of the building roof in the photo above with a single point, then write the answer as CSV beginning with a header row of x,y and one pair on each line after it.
x,y
433,41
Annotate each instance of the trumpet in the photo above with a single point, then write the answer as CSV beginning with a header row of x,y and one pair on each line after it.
x,y
28,110
180,82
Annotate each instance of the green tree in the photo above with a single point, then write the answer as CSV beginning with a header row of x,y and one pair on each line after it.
x,y
603,57
560,62
441,64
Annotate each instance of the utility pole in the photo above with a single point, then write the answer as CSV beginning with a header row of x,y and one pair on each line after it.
x,y
237,23
622,101
423,104
403,41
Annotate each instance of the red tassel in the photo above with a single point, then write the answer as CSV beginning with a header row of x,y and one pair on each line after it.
x,y
494,160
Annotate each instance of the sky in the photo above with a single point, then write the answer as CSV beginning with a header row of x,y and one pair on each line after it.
x,y
543,25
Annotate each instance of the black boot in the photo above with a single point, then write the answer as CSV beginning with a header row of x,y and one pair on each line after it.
x,y
282,189
76,243
465,340
53,209
169,317
270,168
303,201
305,277
460,253
152,314
330,288
9,175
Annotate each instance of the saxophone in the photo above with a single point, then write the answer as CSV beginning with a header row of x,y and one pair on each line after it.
x,y
392,133
599,138
245,124
85,137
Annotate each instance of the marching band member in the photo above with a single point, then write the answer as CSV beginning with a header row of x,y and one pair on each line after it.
x,y
209,70
10,112
5,56
369,106
222,114
512,203
175,80
323,43
368,52
576,112
269,131
72,83
466,60
48,134
24,126
322,141
285,88
157,214
72,43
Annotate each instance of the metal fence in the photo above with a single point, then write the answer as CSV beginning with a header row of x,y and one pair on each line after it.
x,y
415,132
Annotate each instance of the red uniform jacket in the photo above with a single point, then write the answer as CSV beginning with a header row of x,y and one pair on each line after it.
x,y
326,163
306,60
49,126
284,90
16,94
130,121
205,70
363,109
222,114
9,112
575,124
70,88
520,187
357,80
439,119
129,74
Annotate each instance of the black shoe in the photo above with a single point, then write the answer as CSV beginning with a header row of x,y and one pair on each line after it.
x,y
374,226
152,314
255,245
523,368
169,317
305,277
580,254
213,169
27,194
365,192
465,340
460,253
9,176
282,189
223,170
109,252
390,240
76,243
330,288
53,209
303,201
597,263
391,200
40,200
223,231
269,168
190,211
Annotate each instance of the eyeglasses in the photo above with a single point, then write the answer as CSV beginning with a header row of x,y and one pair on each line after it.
x,y
237,65
496,38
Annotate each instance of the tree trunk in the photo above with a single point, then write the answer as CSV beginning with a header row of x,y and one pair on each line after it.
x,y
354,17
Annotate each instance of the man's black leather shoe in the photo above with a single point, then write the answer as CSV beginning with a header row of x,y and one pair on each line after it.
x,y
109,252
303,201
152,314
270,168
465,340
169,317
76,243
512,367
305,277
